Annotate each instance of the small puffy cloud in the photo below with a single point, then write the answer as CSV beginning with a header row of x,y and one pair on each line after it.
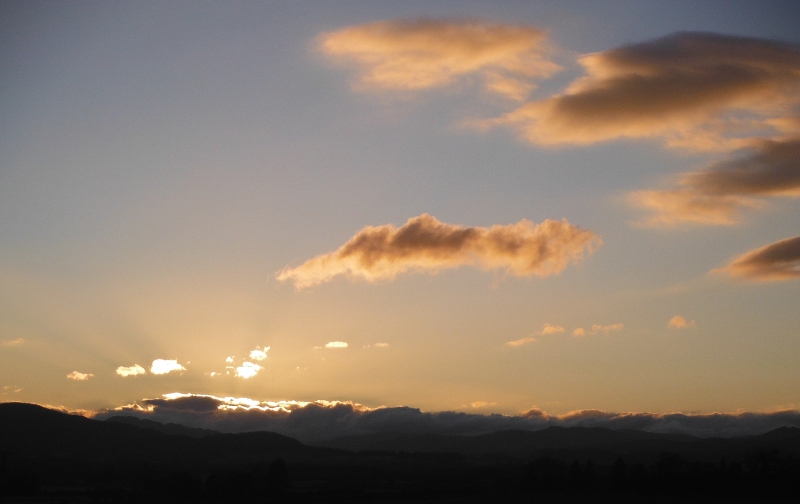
x,y
426,244
248,370
483,404
545,330
693,90
551,329
521,341
229,360
579,332
12,342
776,261
381,345
679,322
336,344
75,375
134,370
718,194
259,353
164,366
407,56
605,329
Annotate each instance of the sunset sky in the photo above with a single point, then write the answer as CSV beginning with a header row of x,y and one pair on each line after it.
x,y
482,207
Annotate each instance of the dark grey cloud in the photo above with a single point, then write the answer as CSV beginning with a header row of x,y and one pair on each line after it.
x,y
319,420
771,169
718,194
776,261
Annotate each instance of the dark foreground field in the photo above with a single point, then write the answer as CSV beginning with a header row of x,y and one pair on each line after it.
x,y
49,456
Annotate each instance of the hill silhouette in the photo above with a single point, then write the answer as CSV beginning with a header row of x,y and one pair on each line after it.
x,y
50,455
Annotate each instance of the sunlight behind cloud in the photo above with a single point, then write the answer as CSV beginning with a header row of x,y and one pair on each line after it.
x,y
164,366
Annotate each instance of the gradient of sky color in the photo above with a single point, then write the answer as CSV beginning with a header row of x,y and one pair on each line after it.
x,y
163,164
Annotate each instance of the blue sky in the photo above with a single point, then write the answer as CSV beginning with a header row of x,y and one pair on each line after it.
x,y
161,163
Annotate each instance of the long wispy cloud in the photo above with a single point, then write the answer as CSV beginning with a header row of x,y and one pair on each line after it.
x,y
718,194
776,261
403,55
692,90
426,244
318,420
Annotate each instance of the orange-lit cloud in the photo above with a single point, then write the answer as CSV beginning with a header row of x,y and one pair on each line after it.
x,y
134,370
718,194
776,261
75,375
579,332
336,344
13,342
693,90
679,322
426,244
164,366
521,341
689,206
605,329
422,54
545,330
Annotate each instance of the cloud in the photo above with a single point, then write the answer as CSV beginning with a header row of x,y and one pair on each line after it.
x,y
229,359
551,329
407,56
318,420
381,345
482,404
679,322
579,332
522,341
336,344
605,329
13,342
776,261
718,194
248,370
426,244
75,375
134,370
692,90
545,330
258,354
164,366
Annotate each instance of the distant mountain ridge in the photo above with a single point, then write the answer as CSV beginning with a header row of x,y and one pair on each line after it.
x,y
172,429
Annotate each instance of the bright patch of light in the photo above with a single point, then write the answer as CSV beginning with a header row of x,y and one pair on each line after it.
x,y
164,366
336,344
75,375
248,370
259,354
134,370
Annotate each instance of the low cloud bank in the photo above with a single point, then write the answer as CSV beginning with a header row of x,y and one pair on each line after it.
x,y
426,244
318,420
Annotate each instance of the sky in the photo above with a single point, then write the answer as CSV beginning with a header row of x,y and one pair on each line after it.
x,y
472,207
